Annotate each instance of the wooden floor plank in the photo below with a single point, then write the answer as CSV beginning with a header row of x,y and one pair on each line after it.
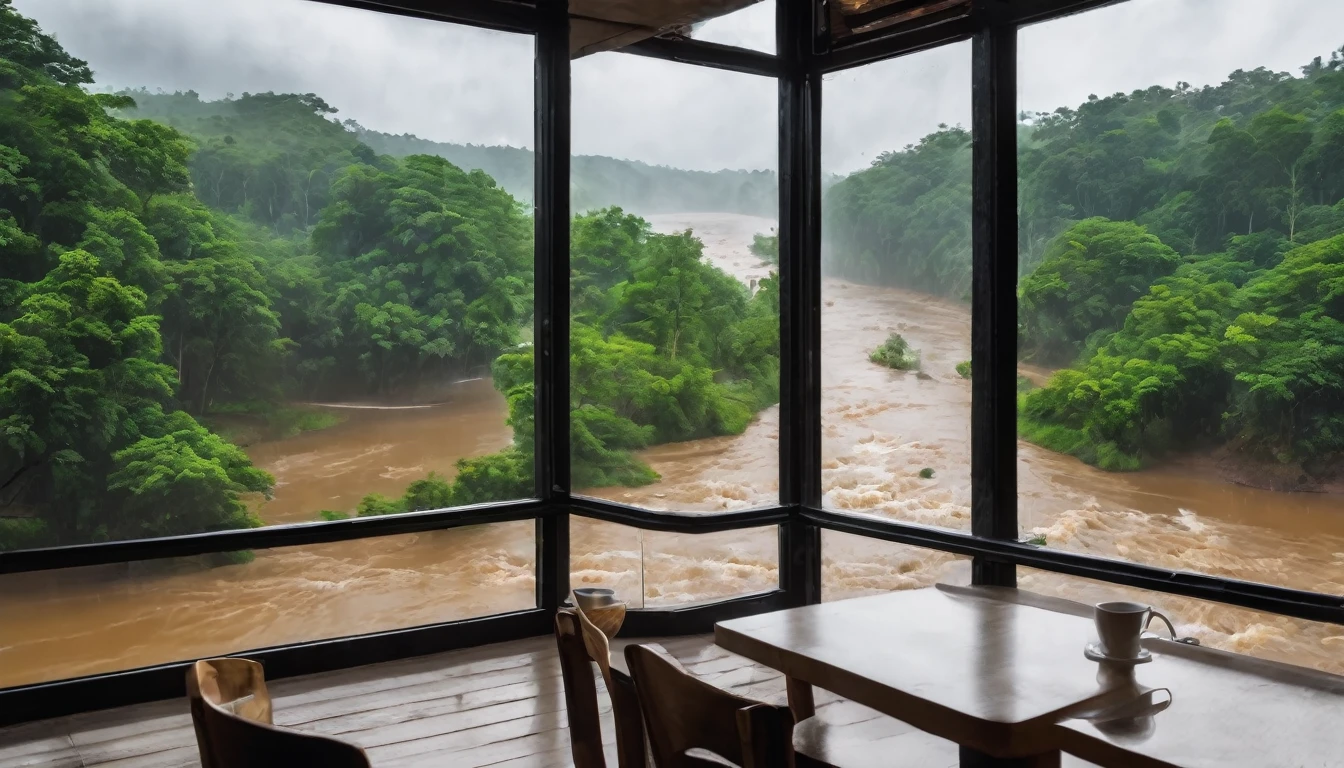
x,y
414,710
35,744
181,757
448,687
139,745
52,756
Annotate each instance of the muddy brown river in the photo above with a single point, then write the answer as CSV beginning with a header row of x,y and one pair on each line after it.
x,y
881,428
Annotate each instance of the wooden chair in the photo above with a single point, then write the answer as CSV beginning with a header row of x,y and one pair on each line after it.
x,y
231,712
582,644
692,723
682,712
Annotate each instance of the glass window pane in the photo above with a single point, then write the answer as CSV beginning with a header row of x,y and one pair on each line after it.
x,y
751,27
653,569
856,566
84,621
1229,628
259,283
1182,361
896,321
675,310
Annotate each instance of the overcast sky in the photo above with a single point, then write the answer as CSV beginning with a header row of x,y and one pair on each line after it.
x,y
451,83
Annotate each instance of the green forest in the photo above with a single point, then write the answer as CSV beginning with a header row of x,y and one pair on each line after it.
x,y
1181,256
168,259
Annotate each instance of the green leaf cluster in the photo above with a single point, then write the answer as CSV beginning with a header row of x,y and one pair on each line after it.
x,y
896,353
1200,360
766,247
1085,284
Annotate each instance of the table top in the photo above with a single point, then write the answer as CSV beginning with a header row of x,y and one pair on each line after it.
x,y
1226,710
1002,671
989,674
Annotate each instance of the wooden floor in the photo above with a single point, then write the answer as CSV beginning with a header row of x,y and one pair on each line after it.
x,y
501,705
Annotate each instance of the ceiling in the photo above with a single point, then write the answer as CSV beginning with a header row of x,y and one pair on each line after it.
x,y
604,25
851,17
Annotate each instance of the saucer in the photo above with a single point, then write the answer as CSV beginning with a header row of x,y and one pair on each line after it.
x,y
1093,651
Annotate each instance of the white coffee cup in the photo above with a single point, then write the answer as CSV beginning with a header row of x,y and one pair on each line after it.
x,y
1120,626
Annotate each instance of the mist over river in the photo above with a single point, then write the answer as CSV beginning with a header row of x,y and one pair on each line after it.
x,y
881,427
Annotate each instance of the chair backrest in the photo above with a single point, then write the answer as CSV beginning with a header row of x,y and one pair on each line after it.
x,y
597,645
231,711
585,729
581,642
682,713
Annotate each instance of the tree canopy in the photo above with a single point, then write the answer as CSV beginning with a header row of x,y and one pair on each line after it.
x,y
95,442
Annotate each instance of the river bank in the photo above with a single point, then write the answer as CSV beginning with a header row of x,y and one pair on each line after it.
x,y
246,424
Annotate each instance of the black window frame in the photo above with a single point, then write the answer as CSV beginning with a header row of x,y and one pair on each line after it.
x,y
806,53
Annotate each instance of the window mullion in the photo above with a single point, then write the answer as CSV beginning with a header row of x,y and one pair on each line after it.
x,y
551,343
994,287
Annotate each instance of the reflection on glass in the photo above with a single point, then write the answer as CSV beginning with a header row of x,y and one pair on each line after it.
x,y
750,27
110,618
856,566
1265,635
675,308
896,394
652,569
1182,360
229,307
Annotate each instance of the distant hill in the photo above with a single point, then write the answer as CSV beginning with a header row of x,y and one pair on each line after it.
x,y
601,181
284,126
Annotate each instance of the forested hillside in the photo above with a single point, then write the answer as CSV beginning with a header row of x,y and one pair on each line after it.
x,y
166,260
600,182
1182,249
597,182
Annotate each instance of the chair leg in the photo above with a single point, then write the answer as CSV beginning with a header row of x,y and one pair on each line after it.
x,y
630,750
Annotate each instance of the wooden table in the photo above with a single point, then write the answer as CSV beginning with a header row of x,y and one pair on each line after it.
x,y
1001,672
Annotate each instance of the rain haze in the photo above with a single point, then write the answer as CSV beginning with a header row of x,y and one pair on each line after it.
x,y
464,85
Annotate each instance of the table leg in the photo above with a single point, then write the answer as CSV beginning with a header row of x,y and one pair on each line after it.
x,y
800,699
971,758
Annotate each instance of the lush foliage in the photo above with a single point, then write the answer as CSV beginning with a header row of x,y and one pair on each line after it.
x,y
428,269
1262,150
400,271
1200,359
766,246
1085,284
101,254
906,220
1241,343
896,353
